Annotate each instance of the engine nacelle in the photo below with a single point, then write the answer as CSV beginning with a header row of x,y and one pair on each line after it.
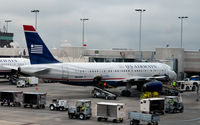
x,y
153,86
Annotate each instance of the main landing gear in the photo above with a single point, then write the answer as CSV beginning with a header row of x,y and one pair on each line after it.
x,y
127,91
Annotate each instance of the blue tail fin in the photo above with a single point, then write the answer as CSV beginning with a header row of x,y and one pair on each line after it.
x,y
38,52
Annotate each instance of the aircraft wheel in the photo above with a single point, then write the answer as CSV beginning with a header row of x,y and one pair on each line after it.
x,y
81,116
70,116
52,107
193,88
187,88
126,93
114,120
99,118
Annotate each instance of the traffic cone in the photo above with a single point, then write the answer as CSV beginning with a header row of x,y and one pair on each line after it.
x,y
36,88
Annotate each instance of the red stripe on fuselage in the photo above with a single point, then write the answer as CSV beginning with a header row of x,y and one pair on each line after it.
x,y
5,70
84,79
28,28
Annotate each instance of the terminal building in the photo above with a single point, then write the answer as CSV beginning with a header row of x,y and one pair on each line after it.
x,y
6,39
184,63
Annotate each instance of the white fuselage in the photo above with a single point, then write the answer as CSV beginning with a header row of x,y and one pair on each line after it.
x,y
85,72
7,64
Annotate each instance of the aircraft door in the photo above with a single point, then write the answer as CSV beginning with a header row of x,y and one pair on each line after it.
x,y
65,73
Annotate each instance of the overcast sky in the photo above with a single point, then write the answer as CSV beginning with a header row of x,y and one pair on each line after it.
x,y
111,24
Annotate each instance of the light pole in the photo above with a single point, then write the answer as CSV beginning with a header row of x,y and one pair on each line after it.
x,y
83,20
140,30
36,12
0,26
7,21
181,18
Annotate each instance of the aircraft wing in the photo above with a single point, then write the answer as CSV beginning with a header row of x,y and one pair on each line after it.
x,y
139,78
10,67
42,71
28,70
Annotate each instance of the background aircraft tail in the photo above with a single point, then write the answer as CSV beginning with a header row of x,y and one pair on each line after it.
x,y
38,52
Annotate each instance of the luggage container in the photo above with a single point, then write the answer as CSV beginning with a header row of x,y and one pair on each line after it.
x,y
114,111
137,117
34,99
11,98
152,105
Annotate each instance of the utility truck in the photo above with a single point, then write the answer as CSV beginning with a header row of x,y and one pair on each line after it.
x,y
82,110
27,81
60,105
189,84
173,104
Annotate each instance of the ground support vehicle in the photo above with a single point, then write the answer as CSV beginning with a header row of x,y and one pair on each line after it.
x,y
103,93
173,104
11,98
137,117
34,99
81,111
61,105
189,84
152,105
186,86
114,111
169,90
27,81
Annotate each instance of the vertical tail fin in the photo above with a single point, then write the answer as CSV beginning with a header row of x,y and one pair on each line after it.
x,y
38,52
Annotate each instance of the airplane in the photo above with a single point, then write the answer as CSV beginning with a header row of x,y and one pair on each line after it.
x,y
44,65
9,66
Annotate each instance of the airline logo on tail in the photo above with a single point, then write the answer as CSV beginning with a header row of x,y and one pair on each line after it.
x,y
37,49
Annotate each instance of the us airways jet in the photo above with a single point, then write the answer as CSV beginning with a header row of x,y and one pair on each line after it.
x,y
9,66
44,65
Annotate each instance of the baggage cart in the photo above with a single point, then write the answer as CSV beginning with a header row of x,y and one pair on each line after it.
x,y
34,99
114,111
152,105
137,117
11,98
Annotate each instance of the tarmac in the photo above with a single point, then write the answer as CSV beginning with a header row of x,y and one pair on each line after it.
x,y
29,116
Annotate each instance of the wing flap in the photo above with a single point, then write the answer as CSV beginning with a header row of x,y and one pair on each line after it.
x,y
10,67
42,71
139,78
